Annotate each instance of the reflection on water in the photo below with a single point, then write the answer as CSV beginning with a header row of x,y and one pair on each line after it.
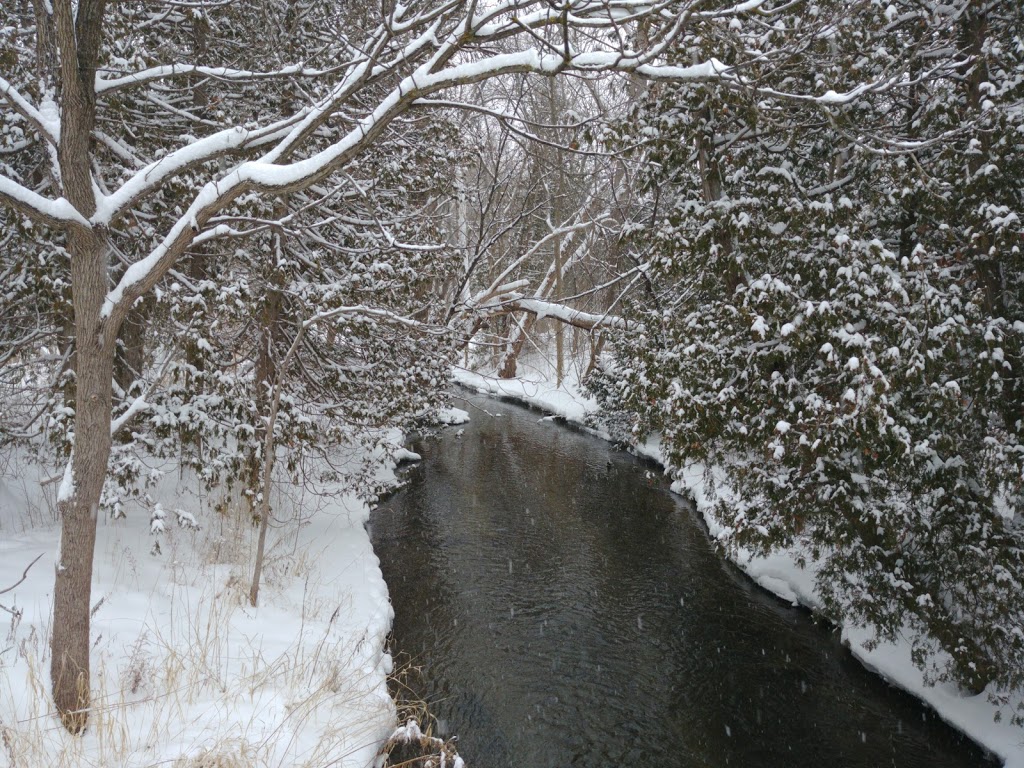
x,y
569,611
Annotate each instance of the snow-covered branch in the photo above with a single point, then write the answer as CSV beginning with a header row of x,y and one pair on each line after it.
x,y
586,320
269,176
365,311
54,213
137,406
106,85
173,164
48,127
498,288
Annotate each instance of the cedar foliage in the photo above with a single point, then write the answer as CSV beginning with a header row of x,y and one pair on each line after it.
x,y
837,311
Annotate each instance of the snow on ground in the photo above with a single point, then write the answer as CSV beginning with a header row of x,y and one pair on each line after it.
x,y
185,672
533,387
779,573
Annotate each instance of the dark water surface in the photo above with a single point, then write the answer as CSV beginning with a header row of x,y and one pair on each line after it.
x,y
568,610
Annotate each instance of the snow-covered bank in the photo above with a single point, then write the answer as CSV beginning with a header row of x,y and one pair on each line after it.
x,y
185,671
779,574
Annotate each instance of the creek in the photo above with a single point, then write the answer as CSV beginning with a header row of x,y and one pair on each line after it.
x,y
566,609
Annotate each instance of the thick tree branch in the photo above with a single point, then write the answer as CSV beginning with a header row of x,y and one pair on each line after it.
x,y
57,213
574,317
106,85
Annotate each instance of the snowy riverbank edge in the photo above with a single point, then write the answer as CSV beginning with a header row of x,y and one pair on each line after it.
x,y
185,672
780,575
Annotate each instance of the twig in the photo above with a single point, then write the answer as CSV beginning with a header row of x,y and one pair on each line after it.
x,y
24,575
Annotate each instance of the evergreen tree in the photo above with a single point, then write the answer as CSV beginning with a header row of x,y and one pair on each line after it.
x,y
836,311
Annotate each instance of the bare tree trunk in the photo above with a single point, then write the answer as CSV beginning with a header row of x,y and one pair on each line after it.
x,y
269,456
94,364
557,205
510,359
268,399
596,347
271,334
267,477
78,37
559,328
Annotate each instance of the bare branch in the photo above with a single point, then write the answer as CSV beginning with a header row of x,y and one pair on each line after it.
x,y
24,575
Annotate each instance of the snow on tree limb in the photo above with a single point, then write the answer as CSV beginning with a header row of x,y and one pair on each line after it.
x,y
441,38
49,127
284,178
746,7
498,287
54,213
110,85
151,177
585,320
442,65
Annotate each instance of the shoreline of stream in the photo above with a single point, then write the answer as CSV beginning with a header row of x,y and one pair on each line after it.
x,y
778,573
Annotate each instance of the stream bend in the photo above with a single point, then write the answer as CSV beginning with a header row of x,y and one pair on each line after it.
x,y
568,610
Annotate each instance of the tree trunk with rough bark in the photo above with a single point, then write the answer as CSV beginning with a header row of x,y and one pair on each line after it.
x,y
94,365
78,36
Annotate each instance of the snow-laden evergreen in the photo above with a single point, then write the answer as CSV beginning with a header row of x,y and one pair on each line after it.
x,y
836,318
